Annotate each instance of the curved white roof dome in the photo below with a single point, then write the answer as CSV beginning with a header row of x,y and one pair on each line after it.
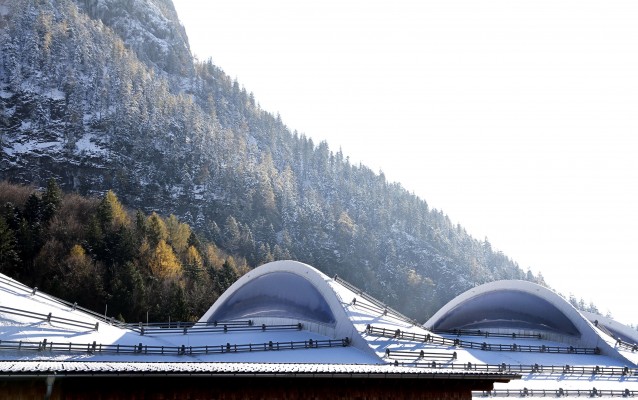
x,y
516,306
286,292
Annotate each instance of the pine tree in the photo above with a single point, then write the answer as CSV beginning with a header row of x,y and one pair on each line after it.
x,y
51,200
194,265
228,274
9,258
140,227
232,234
129,293
33,210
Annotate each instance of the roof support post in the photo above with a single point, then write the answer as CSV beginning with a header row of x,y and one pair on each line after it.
x,y
49,381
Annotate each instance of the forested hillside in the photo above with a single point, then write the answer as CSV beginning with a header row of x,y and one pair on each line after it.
x,y
95,252
104,95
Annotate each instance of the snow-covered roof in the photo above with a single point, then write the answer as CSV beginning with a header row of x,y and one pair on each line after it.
x,y
525,327
511,304
288,317
79,368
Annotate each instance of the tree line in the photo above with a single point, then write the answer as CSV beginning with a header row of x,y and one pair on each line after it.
x,y
96,252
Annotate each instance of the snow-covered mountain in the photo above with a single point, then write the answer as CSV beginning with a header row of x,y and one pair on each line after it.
x,y
104,94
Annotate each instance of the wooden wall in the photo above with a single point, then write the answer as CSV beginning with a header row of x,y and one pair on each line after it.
x,y
236,388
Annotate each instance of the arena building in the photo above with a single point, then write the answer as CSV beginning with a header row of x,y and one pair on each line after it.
x,y
285,330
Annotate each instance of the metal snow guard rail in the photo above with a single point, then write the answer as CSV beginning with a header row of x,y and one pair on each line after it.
x,y
560,392
467,332
95,348
381,306
400,354
49,318
428,338
633,347
530,368
144,330
185,324
74,306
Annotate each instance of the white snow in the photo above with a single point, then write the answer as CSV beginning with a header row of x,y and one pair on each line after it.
x,y
29,330
86,145
4,7
361,313
55,94
28,146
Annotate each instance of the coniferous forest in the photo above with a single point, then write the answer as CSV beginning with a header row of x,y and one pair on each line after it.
x,y
143,179
95,252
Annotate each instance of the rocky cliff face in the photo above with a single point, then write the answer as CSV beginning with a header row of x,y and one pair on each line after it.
x,y
150,28
81,83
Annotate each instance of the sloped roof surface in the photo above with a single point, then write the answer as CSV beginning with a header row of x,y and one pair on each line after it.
x,y
287,317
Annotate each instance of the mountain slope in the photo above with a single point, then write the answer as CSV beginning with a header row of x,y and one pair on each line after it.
x,y
103,94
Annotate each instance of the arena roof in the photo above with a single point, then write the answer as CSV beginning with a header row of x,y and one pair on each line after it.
x,y
204,369
287,318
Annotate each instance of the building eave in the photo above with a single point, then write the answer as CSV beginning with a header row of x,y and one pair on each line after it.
x,y
40,369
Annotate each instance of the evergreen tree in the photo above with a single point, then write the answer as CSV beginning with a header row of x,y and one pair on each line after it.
x,y
28,245
129,293
175,302
124,246
9,258
139,229
227,276
51,200
94,242
33,211
194,264
232,234
195,241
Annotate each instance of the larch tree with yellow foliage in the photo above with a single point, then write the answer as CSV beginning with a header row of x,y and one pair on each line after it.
x,y
163,262
111,213
82,277
156,230
178,234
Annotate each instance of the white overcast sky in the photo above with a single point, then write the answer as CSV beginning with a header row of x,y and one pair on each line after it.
x,y
518,119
